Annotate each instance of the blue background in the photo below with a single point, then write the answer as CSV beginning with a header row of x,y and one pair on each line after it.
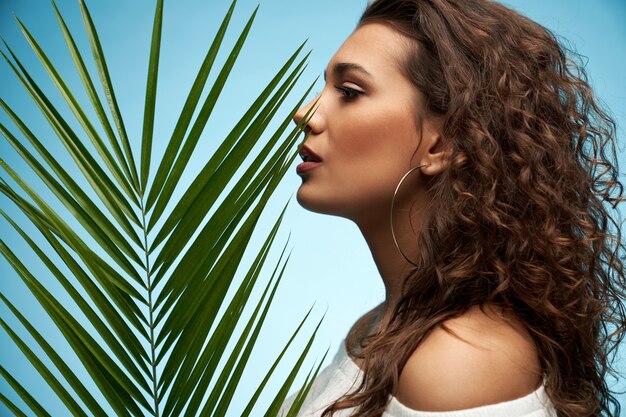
x,y
330,267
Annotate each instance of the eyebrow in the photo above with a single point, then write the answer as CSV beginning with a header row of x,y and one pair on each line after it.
x,y
341,68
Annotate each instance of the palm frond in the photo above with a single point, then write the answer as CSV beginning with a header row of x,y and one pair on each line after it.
x,y
164,314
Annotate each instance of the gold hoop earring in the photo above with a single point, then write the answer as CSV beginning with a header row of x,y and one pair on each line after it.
x,y
393,199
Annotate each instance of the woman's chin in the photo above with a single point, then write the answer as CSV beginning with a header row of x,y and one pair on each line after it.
x,y
307,200
312,201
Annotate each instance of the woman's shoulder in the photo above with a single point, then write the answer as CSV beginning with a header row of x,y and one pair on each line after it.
x,y
483,357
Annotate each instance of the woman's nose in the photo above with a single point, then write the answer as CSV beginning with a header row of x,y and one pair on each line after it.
x,y
309,118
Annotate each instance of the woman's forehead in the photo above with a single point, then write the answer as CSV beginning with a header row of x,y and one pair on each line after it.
x,y
374,48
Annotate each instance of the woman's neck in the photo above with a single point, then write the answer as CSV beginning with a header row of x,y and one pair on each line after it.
x,y
391,264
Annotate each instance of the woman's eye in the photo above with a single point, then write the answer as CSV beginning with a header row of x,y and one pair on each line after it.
x,y
348,93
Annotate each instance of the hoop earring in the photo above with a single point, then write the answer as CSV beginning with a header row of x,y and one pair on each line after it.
x,y
393,199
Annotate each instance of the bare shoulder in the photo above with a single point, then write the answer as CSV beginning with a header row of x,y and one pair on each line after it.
x,y
489,358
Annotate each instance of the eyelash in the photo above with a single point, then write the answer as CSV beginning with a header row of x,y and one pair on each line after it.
x,y
348,94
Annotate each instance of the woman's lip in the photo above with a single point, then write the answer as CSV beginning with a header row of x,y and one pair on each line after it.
x,y
306,151
306,166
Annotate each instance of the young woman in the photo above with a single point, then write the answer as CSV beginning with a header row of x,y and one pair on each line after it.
x,y
470,151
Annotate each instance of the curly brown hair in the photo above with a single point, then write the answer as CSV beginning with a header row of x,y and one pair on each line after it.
x,y
530,194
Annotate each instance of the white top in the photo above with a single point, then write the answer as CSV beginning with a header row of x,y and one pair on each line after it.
x,y
343,374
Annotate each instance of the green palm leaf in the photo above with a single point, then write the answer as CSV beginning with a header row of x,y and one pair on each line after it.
x,y
164,327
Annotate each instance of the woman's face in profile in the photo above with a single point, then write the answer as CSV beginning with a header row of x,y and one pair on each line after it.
x,y
364,130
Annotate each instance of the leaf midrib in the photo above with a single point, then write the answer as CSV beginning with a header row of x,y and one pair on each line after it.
x,y
153,364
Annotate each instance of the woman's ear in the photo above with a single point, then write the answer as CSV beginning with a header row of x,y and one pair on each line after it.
x,y
438,153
